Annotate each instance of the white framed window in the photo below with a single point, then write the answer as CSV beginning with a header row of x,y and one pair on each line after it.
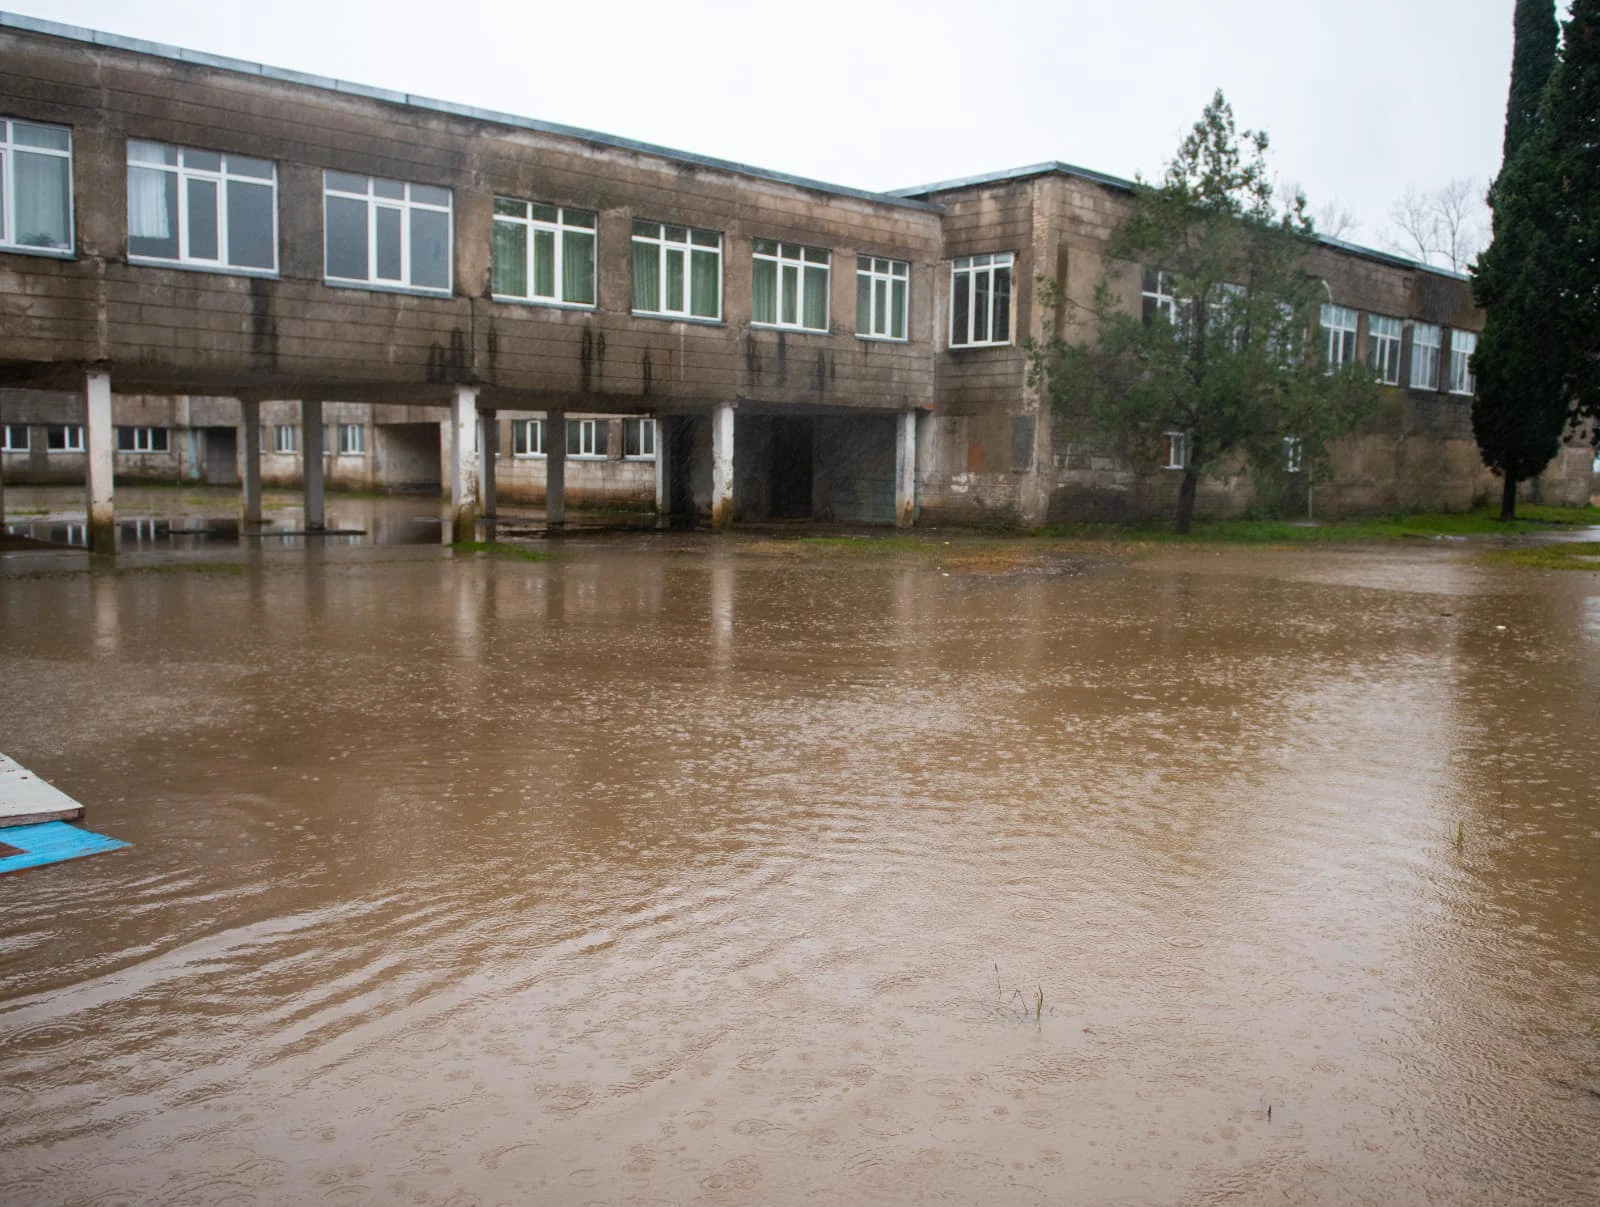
x,y
285,438
1426,340
1174,449
1339,325
677,271
639,439
1383,348
1292,450
980,300
543,253
789,285
13,438
352,440
587,437
201,208
1160,301
140,439
68,437
386,233
35,188
1462,345
527,437
882,289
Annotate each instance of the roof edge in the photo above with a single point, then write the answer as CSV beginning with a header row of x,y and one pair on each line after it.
x,y
95,37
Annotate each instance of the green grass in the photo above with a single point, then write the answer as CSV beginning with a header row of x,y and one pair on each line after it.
x,y
872,544
516,553
1574,555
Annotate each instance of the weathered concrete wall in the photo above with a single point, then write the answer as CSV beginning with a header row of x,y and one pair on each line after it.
x,y
855,469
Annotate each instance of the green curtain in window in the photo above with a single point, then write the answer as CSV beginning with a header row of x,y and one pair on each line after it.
x,y
510,260
816,316
764,292
647,277
675,281
897,314
544,264
705,281
577,267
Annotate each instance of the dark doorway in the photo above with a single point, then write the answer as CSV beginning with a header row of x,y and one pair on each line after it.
x,y
680,467
220,456
791,469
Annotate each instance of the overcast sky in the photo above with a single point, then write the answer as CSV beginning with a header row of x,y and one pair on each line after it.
x,y
1362,98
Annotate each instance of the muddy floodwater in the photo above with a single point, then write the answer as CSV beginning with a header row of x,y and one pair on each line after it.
x,y
676,869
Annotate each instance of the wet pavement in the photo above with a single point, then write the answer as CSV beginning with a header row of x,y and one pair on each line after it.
x,y
681,869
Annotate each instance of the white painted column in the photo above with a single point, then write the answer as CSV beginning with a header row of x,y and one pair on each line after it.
x,y
464,463
722,467
311,463
250,409
99,447
663,496
488,455
905,469
555,469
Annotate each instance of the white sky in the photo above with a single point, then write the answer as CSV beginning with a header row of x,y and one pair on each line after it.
x,y
1362,98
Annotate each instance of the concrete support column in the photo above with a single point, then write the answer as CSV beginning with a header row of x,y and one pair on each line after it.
x,y
250,408
905,469
722,467
663,486
464,463
555,469
98,446
311,463
488,455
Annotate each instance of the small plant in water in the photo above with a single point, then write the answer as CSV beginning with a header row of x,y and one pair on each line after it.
x,y
1461,835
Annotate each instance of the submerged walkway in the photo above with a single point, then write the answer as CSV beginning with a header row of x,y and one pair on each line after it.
x,y
26,800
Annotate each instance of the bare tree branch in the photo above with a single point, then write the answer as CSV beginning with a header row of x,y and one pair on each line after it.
x,y
1444,228
1336,221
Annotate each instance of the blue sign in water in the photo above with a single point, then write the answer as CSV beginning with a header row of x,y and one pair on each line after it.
x,y
49,842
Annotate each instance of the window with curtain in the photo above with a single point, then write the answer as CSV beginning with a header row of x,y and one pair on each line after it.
x,y
1426,340
1383,348
980,300
1462,345
527,437
587,437
881,293
789,285
543,253
35,187
1339,325
386,232
677,271
639,439
202,208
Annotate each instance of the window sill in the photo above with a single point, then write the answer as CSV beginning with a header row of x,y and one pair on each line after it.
x,y
76,451
380,287
217,270
883,339
663,316
1001,343
586,457
49,253
528,456
546,303
755,326
641,457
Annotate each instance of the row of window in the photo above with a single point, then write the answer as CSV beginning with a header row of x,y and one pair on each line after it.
x,y
68,438
585,438
1175,451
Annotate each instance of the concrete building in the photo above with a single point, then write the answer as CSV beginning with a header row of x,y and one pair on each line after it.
x,y
192,228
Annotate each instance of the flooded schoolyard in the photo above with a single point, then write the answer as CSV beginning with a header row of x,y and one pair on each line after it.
x,y
676,868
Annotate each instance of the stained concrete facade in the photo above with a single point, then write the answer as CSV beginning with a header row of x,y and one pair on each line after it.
x,y
795,416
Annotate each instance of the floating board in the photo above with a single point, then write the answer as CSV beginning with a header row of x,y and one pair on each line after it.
x,y
25,799
23,847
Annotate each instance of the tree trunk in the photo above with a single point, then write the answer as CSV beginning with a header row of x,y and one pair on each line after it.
x,y
1508,500
1186,502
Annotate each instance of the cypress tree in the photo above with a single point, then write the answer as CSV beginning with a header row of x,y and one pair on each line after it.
x,y
1521,406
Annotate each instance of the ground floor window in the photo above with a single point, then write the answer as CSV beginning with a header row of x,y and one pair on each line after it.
x,y
285,438
14,438
1174,450
68,437
587,437
527,437
1291,454
639,438
352,440
137,439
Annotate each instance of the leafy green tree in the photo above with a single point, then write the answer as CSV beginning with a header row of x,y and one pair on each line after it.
x,y
1220,352
1520,410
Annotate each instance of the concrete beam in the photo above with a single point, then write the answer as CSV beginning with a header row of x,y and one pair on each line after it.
x,y
311,463
722,467
555,469
488,455
663,486
250,409
464,463
905,469
99,447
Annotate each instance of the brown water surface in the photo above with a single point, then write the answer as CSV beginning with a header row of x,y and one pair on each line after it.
x,y
673,870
